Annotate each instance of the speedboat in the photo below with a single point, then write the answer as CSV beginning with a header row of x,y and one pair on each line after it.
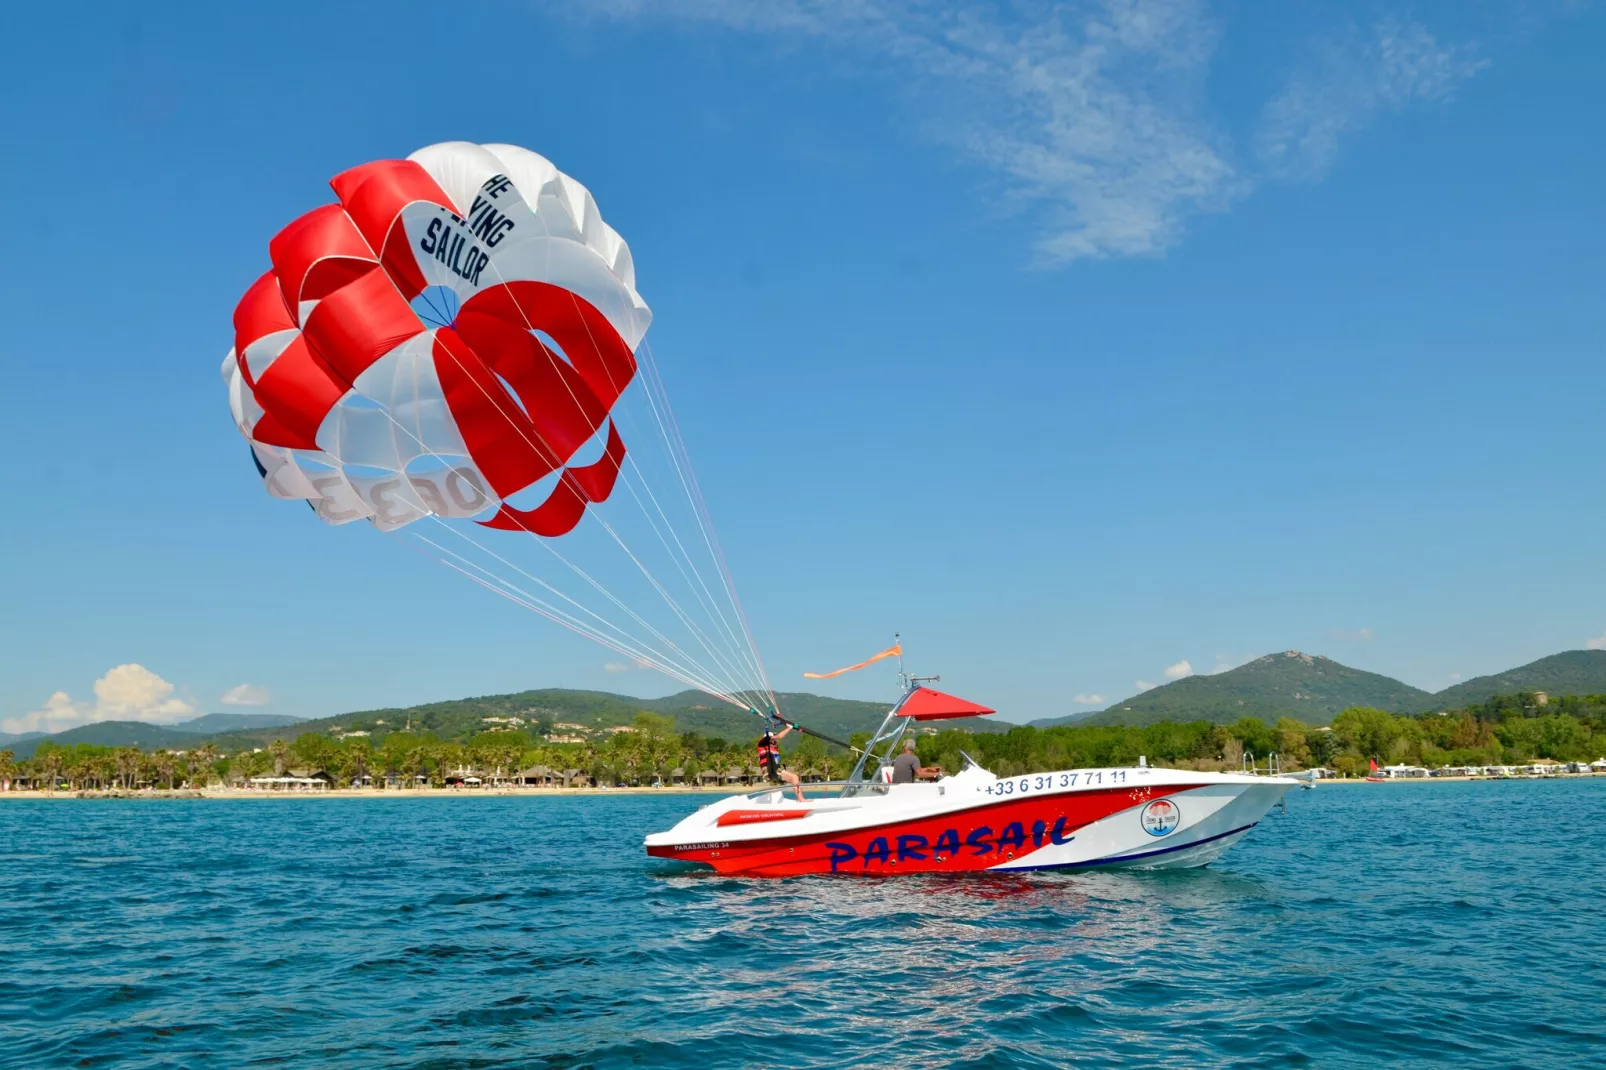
x,y
1138,817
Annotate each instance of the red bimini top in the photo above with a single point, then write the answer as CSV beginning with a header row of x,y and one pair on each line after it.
x,y
924,704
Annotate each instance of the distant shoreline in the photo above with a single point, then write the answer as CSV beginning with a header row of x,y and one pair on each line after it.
x,y
359,793
541,793
1455,779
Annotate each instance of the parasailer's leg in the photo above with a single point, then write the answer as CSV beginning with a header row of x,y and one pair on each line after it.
x,y
796,781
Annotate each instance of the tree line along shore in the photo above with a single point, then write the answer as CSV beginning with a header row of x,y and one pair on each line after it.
x,y
1508,730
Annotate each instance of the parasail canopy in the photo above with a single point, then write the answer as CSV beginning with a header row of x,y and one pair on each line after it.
x,y
925,704
451,332
457,341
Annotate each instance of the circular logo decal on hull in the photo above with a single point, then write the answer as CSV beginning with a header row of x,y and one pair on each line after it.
x,y
1160,817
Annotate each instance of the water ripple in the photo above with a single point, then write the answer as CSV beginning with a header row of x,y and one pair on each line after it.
x,y
1400,923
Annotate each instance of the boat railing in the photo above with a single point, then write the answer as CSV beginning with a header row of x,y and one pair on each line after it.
x,y
1248,765
831,788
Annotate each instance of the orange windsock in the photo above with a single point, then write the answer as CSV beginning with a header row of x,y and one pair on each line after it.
x,y
893,651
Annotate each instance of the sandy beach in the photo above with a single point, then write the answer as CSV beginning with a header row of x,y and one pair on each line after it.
x,y
362,793
536,793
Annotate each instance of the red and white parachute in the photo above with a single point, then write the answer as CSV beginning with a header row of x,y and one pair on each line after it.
x,y
391,365
459,329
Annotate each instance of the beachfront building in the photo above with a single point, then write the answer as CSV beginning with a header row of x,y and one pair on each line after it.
x,y
1598,766
1404,772
289,783
536,776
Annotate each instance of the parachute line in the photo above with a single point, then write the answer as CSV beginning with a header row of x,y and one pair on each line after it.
x,y
688,477
598,587
622,642
536,606
553,590
544,447
700,514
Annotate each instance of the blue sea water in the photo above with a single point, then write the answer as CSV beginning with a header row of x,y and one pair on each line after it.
x,y
1462,924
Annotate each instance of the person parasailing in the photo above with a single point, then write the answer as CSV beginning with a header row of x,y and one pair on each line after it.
x,y
769,759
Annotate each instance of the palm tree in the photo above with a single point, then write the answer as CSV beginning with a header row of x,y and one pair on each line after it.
x,y
278,748
362,756
127,762
206,757
410,764
79,770
166,764
8,766
50,767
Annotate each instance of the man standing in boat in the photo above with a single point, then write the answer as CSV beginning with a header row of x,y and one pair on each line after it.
x,y
906,767
769,760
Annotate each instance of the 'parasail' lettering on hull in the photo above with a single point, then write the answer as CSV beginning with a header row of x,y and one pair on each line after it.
x,y
915,847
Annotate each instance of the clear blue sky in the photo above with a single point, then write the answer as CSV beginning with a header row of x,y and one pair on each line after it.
x,y
1072,345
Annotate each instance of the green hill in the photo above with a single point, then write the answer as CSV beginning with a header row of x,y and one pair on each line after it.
x,y
1310,688
1575,672
550,711
212,723
112,734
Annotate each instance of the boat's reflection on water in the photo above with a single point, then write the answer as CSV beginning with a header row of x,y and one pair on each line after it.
x,y
967,894
967,953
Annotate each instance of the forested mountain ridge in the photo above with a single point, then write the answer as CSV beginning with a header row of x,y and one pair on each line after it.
x,y
1572,672
1313,690
148,736
213,723
1307,687
558,712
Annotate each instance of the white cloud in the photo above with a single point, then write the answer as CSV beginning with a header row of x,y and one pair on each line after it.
x,y
133,692
1143,685
1179,670
1088,700
1455,677
126,693
1597,643
1091,112
624,666
58,712
1097,113
1351,635
1348,83
246,695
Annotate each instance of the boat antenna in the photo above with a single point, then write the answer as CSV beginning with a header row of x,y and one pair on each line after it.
x,y
909,682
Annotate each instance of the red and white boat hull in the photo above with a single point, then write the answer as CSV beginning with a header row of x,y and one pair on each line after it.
x,y
1131,817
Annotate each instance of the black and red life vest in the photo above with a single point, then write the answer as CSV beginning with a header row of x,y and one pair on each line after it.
x,y
769,752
